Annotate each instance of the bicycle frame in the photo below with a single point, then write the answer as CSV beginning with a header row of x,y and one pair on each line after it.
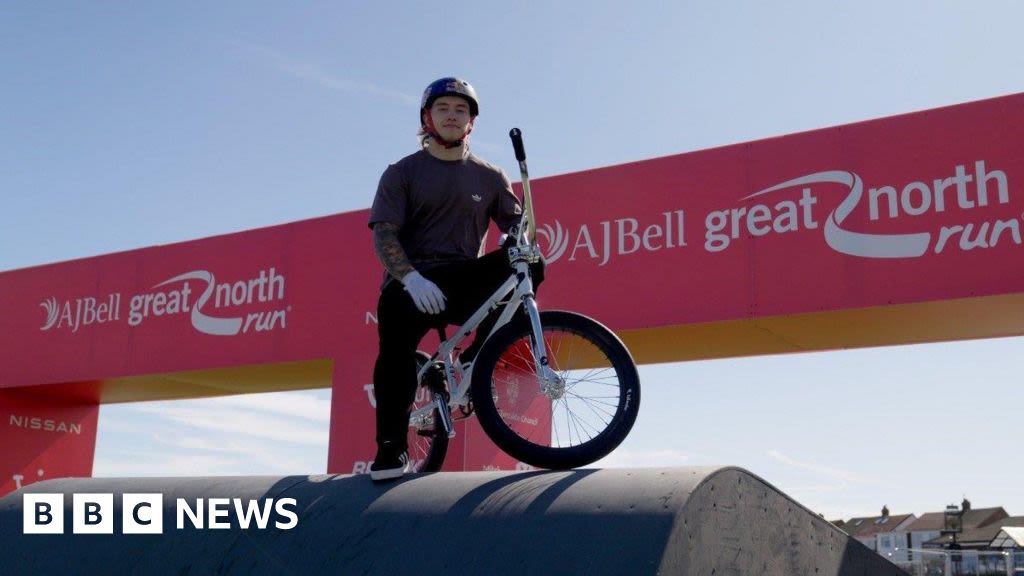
x,y
516,291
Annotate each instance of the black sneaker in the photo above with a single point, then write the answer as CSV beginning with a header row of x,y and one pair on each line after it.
x,y
388,466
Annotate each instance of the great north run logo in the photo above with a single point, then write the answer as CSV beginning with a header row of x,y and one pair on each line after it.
x,y
193,293
961,192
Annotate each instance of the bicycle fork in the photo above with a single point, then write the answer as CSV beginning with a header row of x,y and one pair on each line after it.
x,y
551,385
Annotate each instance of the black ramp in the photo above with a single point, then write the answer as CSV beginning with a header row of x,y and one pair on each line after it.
x,y
720,521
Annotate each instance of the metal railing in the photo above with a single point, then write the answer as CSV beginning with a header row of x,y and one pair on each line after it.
x,y
965,563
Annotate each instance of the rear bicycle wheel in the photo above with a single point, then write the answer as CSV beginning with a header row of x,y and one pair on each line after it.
x,y
427,439
572,421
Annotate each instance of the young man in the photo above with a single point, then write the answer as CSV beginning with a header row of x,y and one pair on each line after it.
x,y
429,219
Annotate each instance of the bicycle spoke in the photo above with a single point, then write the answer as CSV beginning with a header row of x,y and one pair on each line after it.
x,y
567,420
569,426
554,430
578,422
591,403
603,417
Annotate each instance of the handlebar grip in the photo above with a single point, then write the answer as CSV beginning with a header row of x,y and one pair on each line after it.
x,y
517,143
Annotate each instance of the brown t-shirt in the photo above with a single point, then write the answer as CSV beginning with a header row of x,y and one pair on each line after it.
x,y
443,207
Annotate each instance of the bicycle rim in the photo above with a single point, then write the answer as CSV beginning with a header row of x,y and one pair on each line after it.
x,y
574,421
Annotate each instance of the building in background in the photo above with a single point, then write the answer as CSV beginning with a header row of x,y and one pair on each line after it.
x,y
885,534
989,541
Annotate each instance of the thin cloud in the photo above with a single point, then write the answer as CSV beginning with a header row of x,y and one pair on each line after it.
x,y
240,421
265,456
270,433
169,465
292,404
834,473
489,147
314,74
203,444
238,446
643,459
171,454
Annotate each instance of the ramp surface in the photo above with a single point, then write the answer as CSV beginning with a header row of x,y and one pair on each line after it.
x,y
618,521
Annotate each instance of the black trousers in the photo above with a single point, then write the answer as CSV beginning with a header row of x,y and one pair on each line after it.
x,y
466,285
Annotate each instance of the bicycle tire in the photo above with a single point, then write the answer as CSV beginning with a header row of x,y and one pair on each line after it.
x,y
427,445
538,428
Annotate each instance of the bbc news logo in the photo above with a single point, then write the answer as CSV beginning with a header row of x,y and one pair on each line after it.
x,y
143,513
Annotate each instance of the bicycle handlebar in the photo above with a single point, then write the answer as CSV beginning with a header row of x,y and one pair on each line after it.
x,y
531,227
517,144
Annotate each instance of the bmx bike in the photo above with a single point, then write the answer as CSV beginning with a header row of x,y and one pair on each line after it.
x,y
553,389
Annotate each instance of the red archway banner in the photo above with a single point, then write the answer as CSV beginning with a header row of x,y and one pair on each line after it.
x,y
901,229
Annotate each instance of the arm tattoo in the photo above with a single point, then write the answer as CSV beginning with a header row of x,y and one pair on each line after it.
x,y
389,250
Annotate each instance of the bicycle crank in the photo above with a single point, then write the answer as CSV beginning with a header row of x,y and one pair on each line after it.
x,y
441,402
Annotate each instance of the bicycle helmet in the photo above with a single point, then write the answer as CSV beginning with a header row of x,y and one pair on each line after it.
x,y
448,86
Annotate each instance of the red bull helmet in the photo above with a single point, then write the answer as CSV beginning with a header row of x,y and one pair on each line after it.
x,y
450,86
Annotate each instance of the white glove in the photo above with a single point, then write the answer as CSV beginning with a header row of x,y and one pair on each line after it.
x,y
427,297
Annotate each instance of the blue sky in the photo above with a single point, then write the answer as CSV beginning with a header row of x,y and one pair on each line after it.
x,y
134,124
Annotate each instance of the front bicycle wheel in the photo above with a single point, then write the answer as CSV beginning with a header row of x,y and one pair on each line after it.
x,y
572,420
427,439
